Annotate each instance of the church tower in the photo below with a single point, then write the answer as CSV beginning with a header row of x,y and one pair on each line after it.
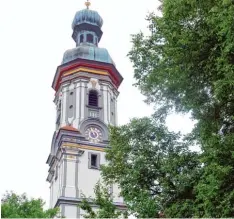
x,y
86,90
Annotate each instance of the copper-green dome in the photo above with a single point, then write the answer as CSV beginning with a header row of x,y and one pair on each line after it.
x,y
87,16
88,52
87,34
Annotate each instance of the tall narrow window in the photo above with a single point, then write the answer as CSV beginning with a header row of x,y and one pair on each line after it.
x,y
58,114
89,38
93,98
94,160
81,38
56,173
59,105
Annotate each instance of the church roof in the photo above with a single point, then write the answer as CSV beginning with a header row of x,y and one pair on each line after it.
x,y
88,52
69,128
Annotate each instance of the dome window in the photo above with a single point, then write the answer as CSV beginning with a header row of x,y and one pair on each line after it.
x,y
81,38
93,98
89,38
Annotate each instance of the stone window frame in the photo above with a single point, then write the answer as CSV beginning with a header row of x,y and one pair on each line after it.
x,y
98,166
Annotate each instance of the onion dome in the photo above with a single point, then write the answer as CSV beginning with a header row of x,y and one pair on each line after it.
x,y
87,33
87,16
87,26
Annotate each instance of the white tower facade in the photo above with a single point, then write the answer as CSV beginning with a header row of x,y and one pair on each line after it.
x,y
86,90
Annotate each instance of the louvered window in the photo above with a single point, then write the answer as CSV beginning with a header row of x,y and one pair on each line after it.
x,y
93,98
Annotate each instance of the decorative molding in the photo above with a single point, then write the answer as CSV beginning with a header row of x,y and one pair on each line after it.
x,y
75,201
88,147
89,70
113,72
94,83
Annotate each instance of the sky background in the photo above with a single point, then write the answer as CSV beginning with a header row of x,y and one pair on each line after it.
x,y
34,34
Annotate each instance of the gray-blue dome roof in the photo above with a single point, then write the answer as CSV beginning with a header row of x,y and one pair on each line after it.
x,y
87,16
88,52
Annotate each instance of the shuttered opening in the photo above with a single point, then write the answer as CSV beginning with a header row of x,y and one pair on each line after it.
x,y
93,98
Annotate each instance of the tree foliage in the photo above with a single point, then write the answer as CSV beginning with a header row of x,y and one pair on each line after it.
x,y
154,169
20,206
186,65
104,200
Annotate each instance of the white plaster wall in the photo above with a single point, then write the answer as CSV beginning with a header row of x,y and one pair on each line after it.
x,y
82,100
70,190
63,107
109,103
82,213
78,102
55,192
56,186
51,195
87,178
70,211
116,111
60,178
108,94
71,87
105,104
116,192
54,195
70,173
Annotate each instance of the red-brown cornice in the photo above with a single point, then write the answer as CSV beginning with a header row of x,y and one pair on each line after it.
x,y
114,75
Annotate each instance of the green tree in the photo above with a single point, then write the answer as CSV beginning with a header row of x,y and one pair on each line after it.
x,y
154,169
104,200
186,65
20,206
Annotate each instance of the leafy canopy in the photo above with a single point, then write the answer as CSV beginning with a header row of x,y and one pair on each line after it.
x,y
153,167
186,65
20,206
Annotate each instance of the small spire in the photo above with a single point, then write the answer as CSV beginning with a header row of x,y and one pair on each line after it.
x,y
87,3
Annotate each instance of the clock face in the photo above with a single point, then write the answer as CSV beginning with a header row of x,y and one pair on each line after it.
x,y
93,134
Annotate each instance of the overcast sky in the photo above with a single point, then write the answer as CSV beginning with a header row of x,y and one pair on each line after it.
x,y
33,37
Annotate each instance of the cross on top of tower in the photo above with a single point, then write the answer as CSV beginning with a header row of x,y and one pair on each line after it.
x,y
87,3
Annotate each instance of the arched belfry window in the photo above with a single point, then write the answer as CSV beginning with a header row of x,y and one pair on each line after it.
x,y
89,38
93,98
81,38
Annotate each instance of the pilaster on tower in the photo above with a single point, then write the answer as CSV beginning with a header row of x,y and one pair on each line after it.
x,y
86,91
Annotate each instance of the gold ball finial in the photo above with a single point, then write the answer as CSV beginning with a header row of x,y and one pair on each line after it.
x,y
87,4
